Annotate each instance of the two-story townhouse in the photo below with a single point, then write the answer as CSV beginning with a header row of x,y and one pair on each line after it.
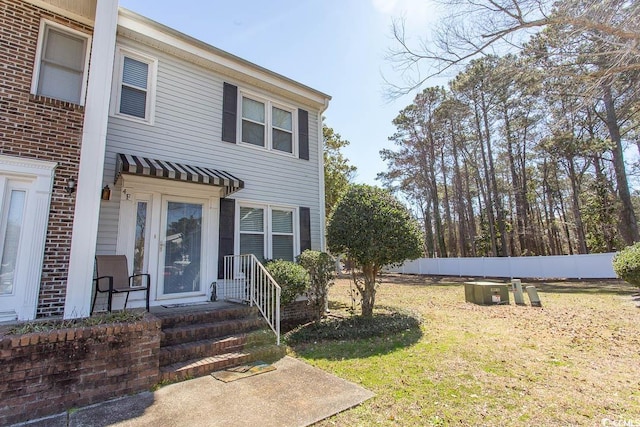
x,y
52,132
207,155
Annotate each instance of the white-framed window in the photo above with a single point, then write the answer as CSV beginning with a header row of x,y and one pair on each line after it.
x,y
267,124
268,232
134,86
62,63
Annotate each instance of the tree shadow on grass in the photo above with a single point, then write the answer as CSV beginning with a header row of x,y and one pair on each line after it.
x,y
352,337
614,287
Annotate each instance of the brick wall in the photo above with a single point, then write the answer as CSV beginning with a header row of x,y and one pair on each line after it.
x,y
294,314
49,372
40,128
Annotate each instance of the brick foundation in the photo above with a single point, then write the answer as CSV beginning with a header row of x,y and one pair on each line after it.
x,y
294,314
46,373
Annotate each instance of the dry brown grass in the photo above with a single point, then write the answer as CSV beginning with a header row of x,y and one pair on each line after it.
x,y
576,361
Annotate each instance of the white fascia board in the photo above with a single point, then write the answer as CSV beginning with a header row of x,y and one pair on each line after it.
x,y
146,27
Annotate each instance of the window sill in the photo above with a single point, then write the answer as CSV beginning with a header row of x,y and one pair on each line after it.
x,y
148,122
65,105
268,150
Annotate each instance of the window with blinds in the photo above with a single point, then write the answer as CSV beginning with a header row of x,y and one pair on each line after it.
x,y
282,234
135,90
252,233
269,236
61,70
262,122
253,122
133,97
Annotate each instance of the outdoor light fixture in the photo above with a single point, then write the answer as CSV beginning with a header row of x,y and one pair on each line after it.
x,y
71,186
106,193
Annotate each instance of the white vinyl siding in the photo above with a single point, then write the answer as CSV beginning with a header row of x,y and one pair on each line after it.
x,y
60,70
134,85
188,129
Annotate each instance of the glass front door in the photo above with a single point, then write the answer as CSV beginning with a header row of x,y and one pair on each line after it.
x,y
181,248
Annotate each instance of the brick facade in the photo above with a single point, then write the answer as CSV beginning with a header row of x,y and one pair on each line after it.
x,y
40,128
47,373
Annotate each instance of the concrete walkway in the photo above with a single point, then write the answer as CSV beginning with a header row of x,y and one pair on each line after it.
x,y
295,394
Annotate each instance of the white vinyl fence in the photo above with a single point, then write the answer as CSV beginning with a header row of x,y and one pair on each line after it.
x,y
592,266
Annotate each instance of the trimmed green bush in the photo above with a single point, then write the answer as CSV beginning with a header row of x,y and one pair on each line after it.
x,y
322,270
626,264
292,278
373,229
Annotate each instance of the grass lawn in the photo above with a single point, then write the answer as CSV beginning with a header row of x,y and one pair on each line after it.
x,y
576,361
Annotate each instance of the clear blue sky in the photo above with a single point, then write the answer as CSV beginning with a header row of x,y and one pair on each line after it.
x,y
335,46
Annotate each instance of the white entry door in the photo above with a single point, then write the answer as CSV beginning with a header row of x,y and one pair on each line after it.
x,y
182,249
169,230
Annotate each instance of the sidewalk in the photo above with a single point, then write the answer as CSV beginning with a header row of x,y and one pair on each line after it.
x,y
295,394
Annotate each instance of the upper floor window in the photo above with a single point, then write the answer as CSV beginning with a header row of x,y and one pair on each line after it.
x,y
267,124
250,119
134,86
61,66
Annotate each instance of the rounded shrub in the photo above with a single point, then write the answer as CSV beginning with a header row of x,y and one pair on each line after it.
x,y
292,278
626,264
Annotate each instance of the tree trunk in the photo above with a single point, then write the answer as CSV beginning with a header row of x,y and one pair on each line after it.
x,y
494,183
463,231
515,182
575,203
451,238
628,225
488,201
368,290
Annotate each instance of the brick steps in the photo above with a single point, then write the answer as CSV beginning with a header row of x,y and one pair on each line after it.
x,y
198,367
196,344
201,331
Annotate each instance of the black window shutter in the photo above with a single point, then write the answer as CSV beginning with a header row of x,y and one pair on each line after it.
x,y
303,134
229,112
227,232
305,229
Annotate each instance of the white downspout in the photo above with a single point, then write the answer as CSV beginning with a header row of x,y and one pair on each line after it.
x,y
323,225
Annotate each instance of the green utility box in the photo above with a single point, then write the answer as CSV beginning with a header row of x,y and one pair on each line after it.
x,y
486,293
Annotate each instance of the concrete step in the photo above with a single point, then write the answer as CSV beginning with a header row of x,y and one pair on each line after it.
x,y
201,366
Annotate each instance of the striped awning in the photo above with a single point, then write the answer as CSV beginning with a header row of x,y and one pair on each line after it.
x,y
137,165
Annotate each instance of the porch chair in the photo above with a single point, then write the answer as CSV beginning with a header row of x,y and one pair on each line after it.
x,y
113,272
